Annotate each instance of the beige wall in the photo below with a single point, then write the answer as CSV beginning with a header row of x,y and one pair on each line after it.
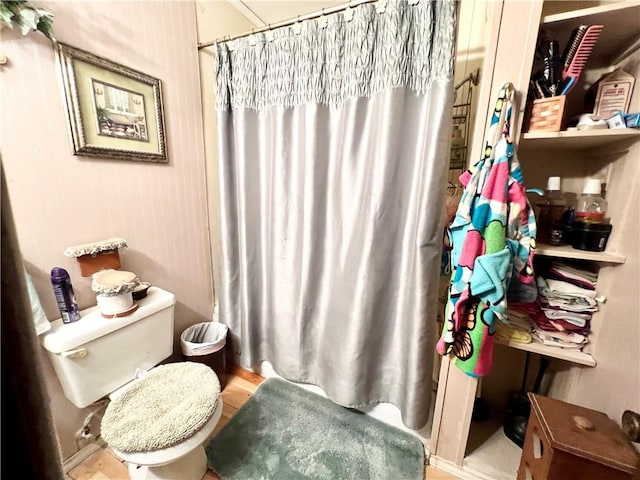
x,y
274,11
61,200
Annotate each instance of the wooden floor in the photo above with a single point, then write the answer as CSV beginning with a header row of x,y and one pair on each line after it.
x,y
104,465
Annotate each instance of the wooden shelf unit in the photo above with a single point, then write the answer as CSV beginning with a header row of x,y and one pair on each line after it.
x,y
568,355
567,251
610,154
577,139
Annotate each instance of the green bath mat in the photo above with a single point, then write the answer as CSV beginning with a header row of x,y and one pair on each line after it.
x,y
284,432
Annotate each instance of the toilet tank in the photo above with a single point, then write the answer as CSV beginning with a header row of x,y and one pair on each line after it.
x,y
95,355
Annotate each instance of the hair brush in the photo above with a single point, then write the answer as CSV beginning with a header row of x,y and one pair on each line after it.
x,y
576,54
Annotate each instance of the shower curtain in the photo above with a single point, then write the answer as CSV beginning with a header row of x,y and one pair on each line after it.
x,y
333,149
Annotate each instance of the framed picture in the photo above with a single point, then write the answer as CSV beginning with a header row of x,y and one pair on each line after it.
x,y
113,111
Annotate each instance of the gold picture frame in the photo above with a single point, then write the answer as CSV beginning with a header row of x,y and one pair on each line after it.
x,y
113,111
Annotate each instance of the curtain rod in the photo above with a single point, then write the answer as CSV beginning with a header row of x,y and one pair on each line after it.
x,y
292,21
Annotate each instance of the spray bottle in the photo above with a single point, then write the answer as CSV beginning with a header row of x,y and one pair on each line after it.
x,y
65,297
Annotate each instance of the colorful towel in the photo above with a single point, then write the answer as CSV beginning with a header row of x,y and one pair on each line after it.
x,y
492,237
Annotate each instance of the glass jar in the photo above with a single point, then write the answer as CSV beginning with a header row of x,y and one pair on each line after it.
x,y
591,207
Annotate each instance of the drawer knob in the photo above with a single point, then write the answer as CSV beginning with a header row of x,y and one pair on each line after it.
x,y
582,423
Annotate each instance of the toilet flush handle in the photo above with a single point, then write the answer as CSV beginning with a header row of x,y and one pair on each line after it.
x,y
77,353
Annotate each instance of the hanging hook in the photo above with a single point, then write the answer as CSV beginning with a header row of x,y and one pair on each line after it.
x,y
297,26
323,21
348,12
253,40
269,35
475,76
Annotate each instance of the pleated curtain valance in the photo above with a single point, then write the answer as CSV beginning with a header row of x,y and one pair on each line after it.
x,y
408,45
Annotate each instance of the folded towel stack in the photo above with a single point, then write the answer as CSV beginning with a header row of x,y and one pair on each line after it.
x,y
561,315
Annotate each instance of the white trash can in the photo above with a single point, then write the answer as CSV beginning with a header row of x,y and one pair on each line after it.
x,y
204,343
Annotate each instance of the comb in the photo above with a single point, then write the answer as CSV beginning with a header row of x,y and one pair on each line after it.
x,y
577,52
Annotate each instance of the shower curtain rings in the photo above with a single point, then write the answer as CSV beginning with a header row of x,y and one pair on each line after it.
x,y
297,27
323,21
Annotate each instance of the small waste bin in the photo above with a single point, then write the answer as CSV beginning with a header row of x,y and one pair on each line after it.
x,y
204,343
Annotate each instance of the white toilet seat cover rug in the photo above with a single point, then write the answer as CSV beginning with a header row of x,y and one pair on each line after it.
x,y
170,404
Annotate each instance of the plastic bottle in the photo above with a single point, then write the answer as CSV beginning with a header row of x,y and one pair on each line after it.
x,y
591,207
550,209
65,297
566,227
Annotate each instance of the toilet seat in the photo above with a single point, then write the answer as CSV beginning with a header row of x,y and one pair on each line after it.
x,y
184,402
185,461
163,409
168,455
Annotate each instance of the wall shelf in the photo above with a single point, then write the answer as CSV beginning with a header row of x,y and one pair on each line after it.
x,y
620,20
567,251
577,139
569,355
606,14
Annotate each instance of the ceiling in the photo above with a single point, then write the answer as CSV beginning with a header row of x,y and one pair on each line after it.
x,y
270,12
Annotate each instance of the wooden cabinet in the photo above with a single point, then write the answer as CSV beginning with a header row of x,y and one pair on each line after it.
x,y
564,439
606,375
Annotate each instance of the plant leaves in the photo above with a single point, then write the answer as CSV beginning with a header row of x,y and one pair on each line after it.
x,y
28,20
6,15
24,15
44,26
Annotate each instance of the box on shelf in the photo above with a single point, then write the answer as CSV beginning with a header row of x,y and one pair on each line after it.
x,y
547,114
632,120
613,94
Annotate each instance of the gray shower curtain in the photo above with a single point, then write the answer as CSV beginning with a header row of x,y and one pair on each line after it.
x,y
333,148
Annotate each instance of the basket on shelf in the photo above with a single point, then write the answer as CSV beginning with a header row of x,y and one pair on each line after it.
x,y
547,114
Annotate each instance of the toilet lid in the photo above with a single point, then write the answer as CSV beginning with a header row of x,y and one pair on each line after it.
x,y
170,404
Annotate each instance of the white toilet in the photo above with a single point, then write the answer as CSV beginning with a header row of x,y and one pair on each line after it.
x,y
158,418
